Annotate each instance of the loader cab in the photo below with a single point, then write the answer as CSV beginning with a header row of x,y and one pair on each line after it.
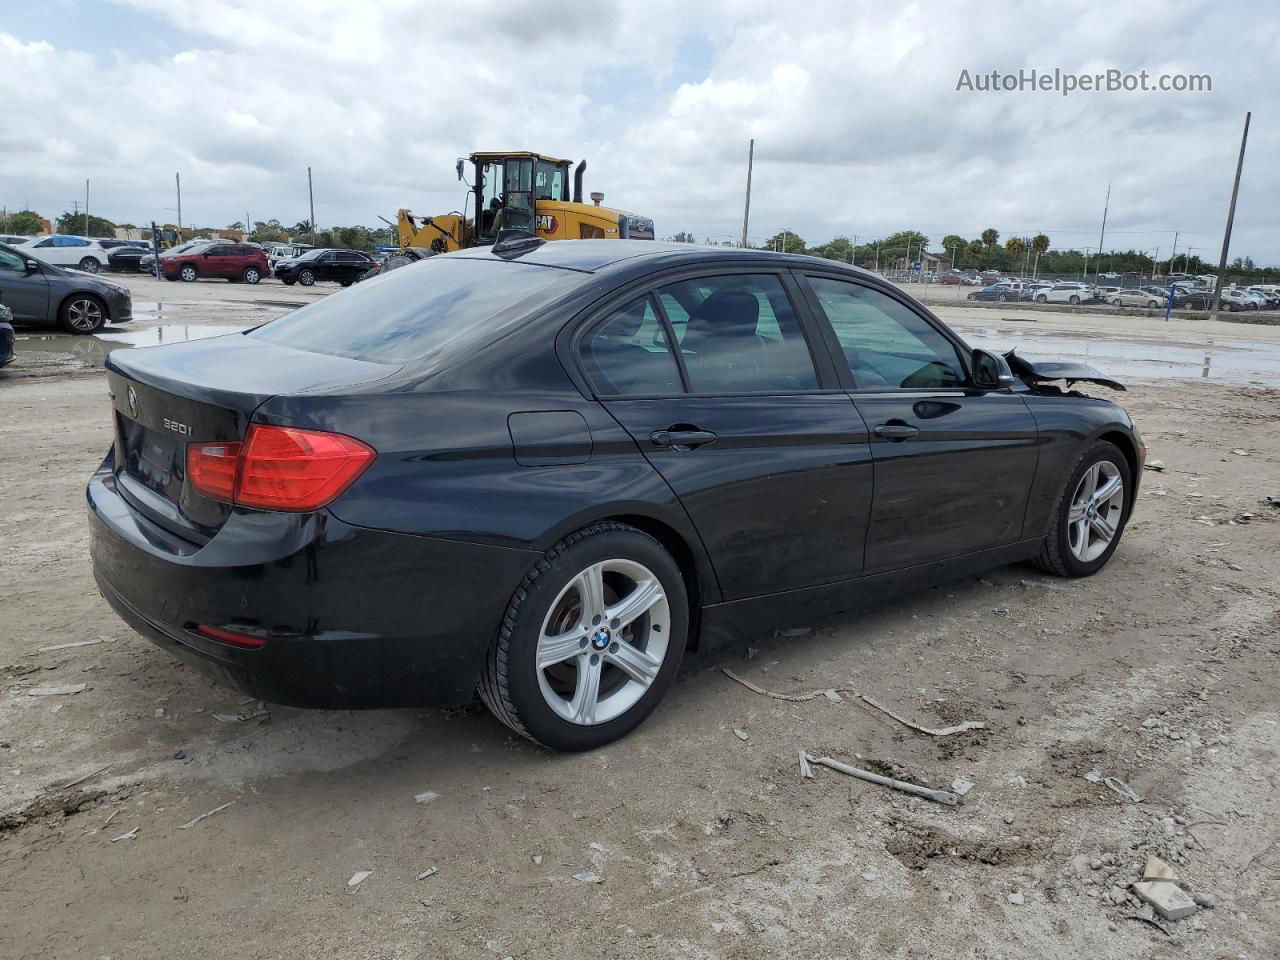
x,y
508,187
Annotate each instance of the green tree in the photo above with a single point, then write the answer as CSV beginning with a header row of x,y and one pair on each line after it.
x,y
785,241
990,236
24,222
684,236
839,248
1015,246
268,231
73,223
954,244
1040,244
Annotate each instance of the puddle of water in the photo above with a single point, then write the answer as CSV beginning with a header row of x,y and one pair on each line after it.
x,y
1225,361
173,310
92,351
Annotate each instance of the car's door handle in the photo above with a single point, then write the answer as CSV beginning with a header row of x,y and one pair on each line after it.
x,y
896,432
681,439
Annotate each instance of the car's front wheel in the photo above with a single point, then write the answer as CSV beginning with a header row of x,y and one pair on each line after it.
x,y
188,273
83,313
90,265
590,641
1090,514
306,277
1074,300
1041,298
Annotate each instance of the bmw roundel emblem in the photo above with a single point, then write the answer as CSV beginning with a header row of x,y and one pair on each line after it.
x,y
132,399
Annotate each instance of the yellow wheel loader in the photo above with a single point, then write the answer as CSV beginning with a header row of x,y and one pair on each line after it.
x,y
520,191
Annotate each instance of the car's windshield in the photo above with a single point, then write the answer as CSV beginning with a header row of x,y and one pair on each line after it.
x,y
420,309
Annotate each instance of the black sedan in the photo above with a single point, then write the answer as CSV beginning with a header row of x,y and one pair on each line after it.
x,y
544,471
127,258
40,293
997,292
341,266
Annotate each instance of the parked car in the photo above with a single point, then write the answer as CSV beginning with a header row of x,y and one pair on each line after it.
x,y
950,278
41,293
1073,293
1258,300
1135,297
223,261
127,258
342,266
1235,301
6,336
61,250
286,251
999,292
13,239
602,484
1105,292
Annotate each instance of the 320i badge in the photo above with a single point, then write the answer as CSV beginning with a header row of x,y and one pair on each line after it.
x,y
544,471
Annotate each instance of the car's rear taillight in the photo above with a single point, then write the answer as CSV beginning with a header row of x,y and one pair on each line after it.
x,y
237,638
278,468
212,467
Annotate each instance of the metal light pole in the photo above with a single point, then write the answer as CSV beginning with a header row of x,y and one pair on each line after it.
x,y
86,207
177,179
1105,207
746,209
312,196
1231,216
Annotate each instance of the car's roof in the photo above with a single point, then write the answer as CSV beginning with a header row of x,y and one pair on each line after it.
x,y
591,256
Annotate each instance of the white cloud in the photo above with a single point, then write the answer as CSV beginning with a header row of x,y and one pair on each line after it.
x,y
858,126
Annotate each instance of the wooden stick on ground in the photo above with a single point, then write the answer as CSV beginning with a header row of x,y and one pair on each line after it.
x,y
941,796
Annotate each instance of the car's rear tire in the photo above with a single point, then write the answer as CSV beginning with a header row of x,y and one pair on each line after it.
x,y
188,273
83,313
90,265
1152,304
306,277
972,296
573,679
1081,540
1073,300
251,275
1041,298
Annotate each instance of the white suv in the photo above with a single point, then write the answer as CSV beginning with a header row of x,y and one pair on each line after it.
x,y
1065,293
65,251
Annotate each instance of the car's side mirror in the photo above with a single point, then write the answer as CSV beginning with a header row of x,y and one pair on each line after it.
x,y
459,167
32,266
991,371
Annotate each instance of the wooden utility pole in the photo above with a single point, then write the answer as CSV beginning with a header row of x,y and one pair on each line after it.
x,y
746,211
1105,207
1231,216
177,179
311,194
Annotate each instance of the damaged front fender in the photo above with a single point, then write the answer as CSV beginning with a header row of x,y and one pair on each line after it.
x,y
1033,372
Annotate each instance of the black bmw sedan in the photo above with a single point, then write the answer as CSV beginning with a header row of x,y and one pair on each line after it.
x,y
545,471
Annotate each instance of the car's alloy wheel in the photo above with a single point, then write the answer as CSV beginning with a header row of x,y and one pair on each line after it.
x,y
83,315
591,640
1042,299
89,265
188,273
1152,304
972,296
251,275
1074,300
1090,515
306,278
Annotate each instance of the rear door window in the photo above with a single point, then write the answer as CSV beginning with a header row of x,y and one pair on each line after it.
x,y
628,353
422,309
739,334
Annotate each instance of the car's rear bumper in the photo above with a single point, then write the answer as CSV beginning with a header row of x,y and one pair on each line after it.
x,y
353,617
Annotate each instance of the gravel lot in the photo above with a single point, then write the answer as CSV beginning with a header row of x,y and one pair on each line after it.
x,y
1161,671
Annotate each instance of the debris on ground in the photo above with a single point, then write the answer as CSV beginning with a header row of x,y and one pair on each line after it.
x,y
789,697
742,734
132,834
586,876
429,872
1017,899
1274,500
241,717
76,643
806,771
941,796
205,816
1159,887
426,796
1156,465
943,732
1148,921
92,773
1240,453
359,877
1117,786
57,689
960,786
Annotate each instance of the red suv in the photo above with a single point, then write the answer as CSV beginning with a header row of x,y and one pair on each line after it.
x,y
230,261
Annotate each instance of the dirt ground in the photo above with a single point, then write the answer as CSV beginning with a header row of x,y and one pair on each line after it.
x,y
1161,671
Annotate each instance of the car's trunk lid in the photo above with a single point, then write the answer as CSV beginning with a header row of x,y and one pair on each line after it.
x,y
164,398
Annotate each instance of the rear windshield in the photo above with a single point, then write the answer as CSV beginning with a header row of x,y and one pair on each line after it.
x,y
417,310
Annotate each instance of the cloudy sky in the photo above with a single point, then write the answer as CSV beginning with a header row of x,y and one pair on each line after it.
x,y
858,124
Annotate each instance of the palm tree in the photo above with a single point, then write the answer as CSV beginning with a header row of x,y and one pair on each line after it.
x,y
1040,244
1015,246
990,236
